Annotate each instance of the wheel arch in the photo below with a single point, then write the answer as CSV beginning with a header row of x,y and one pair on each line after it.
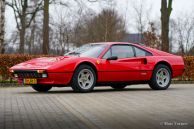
x,y
89,64
165,63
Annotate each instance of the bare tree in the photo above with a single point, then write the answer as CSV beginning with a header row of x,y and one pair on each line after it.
x,y
151,38
24,12
139,18
104,27
11,42
2,24
142,17
62,33
183,33
30,36
191,52
166,9
45,45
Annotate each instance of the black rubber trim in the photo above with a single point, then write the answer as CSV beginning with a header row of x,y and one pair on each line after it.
x,y
128,71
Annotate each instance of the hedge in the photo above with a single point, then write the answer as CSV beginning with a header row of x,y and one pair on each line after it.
x,y
8,60
189,68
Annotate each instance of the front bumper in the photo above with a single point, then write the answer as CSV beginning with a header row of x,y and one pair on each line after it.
x,y
62,78
29,74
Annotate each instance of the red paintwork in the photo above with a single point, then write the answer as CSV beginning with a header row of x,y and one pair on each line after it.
x,y
60,69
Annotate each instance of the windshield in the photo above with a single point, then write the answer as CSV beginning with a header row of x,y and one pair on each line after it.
x,y
88,50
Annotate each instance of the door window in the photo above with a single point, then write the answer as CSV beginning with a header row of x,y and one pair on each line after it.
x,y
140,52
122,51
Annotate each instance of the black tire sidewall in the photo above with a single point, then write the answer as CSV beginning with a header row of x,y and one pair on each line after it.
x,y
153,82
75,85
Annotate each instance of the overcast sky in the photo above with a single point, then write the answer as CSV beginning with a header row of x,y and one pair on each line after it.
x,y
124,7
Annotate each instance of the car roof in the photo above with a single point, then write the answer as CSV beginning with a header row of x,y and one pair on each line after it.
x,y
115,43
112,43
151,50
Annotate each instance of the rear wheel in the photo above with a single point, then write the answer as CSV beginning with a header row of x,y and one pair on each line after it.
x,y
84,79
41,88
119,86
161,78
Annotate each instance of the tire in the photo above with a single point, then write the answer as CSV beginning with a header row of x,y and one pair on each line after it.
x,y
118,86
41,88
161,78
84,79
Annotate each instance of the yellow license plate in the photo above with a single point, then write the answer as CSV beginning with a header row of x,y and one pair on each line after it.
x,y
30,81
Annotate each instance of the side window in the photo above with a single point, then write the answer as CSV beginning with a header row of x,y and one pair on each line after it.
x,y
122,51
107,54
141,52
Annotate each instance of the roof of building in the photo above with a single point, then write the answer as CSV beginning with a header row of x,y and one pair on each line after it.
x,y
135,38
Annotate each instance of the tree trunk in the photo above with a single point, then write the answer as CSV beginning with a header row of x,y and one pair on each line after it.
x,y
2,24
31,42
45,46
165,16
22,35
23,27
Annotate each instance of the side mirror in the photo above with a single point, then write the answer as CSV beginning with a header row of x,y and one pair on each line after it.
x,y
112,58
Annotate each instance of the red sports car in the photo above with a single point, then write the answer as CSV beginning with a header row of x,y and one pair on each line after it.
x,y
112,64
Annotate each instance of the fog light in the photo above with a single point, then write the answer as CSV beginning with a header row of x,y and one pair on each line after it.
x,y
15,75
44,75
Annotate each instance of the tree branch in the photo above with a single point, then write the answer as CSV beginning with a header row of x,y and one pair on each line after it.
x,y
16,13
38,8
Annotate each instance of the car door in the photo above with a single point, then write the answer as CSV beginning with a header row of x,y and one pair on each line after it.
x,y
125,68
147,66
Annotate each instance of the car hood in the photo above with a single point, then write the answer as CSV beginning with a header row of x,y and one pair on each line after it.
x,y
39,63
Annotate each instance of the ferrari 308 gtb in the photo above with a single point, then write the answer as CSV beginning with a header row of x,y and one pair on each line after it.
x,y
112,64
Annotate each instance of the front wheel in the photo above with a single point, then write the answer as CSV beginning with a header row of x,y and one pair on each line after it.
x,y
41,88
161,78
84,79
